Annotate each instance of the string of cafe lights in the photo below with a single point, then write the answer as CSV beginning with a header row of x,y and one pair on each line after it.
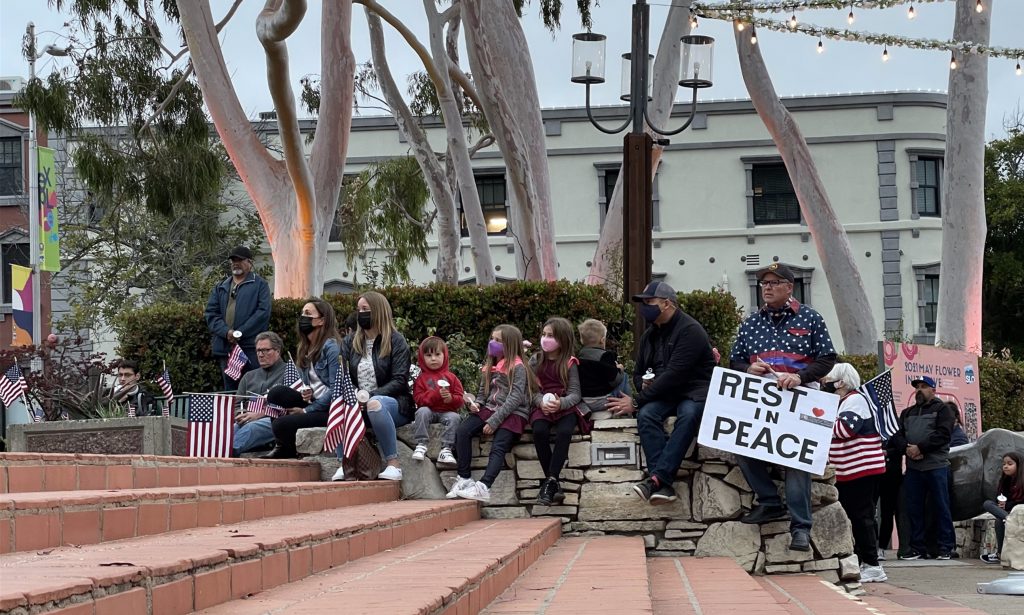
x,y
741,13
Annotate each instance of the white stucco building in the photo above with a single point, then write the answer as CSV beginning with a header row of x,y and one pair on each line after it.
x,y
723,204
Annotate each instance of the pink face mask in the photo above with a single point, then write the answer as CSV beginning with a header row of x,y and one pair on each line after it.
x,y
548,344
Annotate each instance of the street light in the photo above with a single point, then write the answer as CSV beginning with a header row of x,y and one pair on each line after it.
x,y
34,215
695,72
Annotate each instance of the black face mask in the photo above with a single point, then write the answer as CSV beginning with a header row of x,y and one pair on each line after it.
x,y
306,325
828,387
365,320
919,398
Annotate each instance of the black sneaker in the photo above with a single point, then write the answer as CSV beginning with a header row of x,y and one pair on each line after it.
x,y
559,496
800,541
547,492
911,555
947,555
662,495
763,514
644,489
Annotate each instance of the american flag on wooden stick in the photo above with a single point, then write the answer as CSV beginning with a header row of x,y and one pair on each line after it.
x,y
259,405
878,390
345,424
291,376
12,385
236,362
211,425
164,382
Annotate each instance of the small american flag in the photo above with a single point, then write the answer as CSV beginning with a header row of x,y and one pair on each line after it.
x,y
345,424
164,382
259,405
131,410
236,362
291,376
878,390
211,426
12,385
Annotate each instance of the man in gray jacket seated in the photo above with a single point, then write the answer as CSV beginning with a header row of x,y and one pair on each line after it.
x,y
253,430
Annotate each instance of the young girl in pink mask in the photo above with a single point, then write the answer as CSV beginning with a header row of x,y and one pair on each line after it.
x,y
501,409
556,406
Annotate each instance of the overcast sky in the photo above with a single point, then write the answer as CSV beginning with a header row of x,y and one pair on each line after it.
x,y
795,66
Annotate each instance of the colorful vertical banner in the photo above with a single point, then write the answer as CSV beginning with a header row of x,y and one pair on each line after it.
x,y
21,305
48,227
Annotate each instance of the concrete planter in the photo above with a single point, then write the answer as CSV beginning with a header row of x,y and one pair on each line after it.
x,y
146,435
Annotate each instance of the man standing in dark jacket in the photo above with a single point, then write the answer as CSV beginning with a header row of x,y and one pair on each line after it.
x,y
238,309
923,436
676,351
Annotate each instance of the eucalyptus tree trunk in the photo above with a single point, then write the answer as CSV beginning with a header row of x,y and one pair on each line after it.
x,y
607,261
295,198
503,69
958,324
856,321
448,236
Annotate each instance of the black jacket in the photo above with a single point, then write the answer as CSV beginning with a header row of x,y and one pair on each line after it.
x,y
392,371
679,352
599,372
927,425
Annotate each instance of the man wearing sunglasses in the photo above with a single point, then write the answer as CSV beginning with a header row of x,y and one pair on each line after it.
x,y
238,309
789,341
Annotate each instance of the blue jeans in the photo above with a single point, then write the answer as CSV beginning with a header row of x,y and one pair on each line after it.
x,y
253,434
385,423
798,491
916,484
665,453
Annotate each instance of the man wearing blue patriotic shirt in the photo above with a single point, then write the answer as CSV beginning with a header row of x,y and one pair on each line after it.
x,y
238,309
790,341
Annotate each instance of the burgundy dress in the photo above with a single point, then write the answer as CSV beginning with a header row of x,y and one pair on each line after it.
x,y
551,382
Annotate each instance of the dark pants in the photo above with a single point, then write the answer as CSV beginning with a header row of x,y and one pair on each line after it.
x,y
552,460
1000,515
472,426
798,491
918,484
891,506
665,453
858,500
286,426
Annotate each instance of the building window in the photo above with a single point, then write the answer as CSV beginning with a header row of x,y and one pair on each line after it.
x,y
346,185
927,277
608,176
10,166
493,202
608,181
774,199
11,254
927,194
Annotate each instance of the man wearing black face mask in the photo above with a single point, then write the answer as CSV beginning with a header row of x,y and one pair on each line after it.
x,y
676,350
923,436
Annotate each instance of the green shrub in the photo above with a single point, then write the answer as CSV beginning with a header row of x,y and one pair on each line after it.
x,y
462,315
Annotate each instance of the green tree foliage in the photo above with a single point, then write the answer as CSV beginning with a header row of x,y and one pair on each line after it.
x,y
1003,299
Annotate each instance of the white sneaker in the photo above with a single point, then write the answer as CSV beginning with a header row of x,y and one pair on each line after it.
x,y
420,453
445,457
391,473
459,485
881,555
340,474
477,491
872,574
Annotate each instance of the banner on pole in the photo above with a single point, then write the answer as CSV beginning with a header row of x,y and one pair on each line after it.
x,y
49,228
21,305
752,416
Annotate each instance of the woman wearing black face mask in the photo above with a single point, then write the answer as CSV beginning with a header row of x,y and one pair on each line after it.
x,y
318,364
378,359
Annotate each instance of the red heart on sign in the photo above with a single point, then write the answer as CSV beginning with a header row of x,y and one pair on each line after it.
x,y
818,411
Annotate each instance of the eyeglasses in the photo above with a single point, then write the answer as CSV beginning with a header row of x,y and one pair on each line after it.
x,y
265,350
772,283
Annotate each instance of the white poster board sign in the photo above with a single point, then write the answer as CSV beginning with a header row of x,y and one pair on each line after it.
x,y
752,416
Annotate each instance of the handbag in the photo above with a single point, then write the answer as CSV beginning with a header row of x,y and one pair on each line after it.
x,y
366,463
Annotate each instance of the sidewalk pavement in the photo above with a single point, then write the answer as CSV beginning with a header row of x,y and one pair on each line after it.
x,y
954,580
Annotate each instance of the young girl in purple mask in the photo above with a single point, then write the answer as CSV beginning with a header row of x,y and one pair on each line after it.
x,y
501,409
556,406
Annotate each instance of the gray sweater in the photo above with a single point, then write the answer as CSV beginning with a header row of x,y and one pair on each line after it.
x,y
507,395
259,381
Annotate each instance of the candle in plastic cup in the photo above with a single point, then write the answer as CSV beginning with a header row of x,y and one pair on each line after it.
x,y
237,334
443,383
1001,498
649,375
548,398
362,396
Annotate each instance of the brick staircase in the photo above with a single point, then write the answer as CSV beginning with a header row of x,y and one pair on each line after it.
x,y
126,535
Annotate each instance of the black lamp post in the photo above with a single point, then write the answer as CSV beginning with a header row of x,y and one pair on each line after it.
x,y
695,72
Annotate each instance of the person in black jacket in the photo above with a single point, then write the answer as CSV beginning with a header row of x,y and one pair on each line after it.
x,y
129,392
238,309
923,436
378,360
676,350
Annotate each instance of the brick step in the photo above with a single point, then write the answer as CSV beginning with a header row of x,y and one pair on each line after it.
x,y
182,571
456,572
34,521
709,586
31,472
604,574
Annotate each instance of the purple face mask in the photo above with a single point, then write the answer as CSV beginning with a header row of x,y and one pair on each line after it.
x,y
495,349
